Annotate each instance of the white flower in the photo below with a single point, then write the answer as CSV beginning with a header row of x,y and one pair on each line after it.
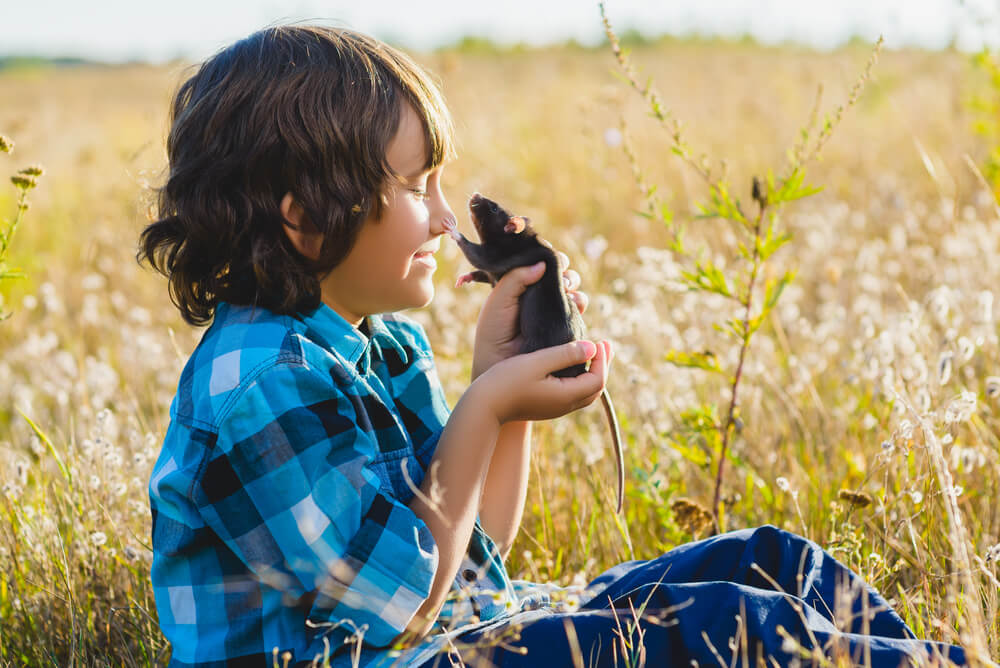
x,y
944,367
613,137
594,248
993,387
98,538
782,483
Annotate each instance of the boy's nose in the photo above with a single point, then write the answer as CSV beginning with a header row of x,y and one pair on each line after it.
x,y
440,215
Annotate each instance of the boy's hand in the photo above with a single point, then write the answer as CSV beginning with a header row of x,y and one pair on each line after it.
x,y
520,387
497,332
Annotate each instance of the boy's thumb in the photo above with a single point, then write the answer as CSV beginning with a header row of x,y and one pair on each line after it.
x,y
568,354
517,280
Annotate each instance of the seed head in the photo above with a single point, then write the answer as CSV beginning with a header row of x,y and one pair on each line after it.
x,y
690,516
6,144
32,170
759,192
23,182
855,497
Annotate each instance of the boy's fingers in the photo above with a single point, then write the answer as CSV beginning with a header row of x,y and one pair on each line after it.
x,y
514,282
548,360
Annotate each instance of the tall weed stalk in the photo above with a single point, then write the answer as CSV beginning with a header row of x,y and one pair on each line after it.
x,y
748,274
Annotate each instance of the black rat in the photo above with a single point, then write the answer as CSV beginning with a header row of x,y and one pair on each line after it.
x,y
548,317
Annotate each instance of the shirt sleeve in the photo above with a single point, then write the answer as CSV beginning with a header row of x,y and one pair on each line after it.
x,y
289,489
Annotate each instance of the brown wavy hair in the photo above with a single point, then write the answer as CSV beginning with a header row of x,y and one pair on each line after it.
x,y
303,109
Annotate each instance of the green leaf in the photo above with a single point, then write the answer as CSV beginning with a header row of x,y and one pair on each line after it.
x,y
771,242
705,360
48,443
794,187
773,289
691,453
706,276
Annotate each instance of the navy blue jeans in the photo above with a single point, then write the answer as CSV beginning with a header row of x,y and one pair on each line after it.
x,y
758,592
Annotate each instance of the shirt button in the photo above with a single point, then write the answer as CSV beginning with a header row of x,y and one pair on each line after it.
x,y
469,575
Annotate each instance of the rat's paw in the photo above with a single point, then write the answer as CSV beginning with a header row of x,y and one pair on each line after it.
x,y
465,278
451,227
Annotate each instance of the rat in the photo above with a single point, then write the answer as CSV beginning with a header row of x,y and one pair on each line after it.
x,y
548,317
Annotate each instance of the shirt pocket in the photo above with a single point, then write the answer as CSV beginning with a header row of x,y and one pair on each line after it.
x,y
389,466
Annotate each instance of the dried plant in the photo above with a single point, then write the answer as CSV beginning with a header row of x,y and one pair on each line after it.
x,y
24,181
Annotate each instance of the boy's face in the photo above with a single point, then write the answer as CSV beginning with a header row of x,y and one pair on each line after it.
x,y
391,266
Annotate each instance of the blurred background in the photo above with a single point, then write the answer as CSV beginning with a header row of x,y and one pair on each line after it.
x,y
119,31
877,374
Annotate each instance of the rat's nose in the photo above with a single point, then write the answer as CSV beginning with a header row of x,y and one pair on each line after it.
x,y
476,199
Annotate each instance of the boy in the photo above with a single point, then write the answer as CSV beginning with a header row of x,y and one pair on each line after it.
x,y
314,496
303,199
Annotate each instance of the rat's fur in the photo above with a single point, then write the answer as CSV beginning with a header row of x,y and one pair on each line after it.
x,y
548,317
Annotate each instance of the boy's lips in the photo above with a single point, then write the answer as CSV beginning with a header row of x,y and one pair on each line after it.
x,y
426,258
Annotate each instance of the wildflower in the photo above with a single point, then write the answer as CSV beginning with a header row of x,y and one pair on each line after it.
x,y
690,515
985,299
6,144
855,498
961,408
916,496
32,170
21,471
613,137
944,367
966,348
594,248
782,483
993,553
993,387
924,400
98,538
23,182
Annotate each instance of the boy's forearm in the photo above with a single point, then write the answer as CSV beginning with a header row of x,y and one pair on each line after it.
x,y
506,486
450,494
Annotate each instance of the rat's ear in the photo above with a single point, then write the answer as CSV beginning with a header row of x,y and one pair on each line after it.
x,y
299,229
515,224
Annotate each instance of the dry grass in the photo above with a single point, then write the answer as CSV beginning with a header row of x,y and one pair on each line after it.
x,y
893,307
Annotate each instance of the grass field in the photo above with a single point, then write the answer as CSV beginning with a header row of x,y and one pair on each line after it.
x,y
878,371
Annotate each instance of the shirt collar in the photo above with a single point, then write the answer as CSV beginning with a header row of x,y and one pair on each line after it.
x,y
347,340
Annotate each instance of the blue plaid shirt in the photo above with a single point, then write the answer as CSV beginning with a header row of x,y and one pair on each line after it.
x,y
279,500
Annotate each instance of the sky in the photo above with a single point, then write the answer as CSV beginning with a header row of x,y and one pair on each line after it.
x,y
122,30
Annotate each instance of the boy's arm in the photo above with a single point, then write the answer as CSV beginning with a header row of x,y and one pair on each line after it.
x,y
506,487
450,494
511,391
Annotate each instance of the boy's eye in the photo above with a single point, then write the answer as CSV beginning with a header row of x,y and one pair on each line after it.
x,y
419,192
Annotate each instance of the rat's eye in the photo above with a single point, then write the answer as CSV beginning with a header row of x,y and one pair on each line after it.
x,y
493,207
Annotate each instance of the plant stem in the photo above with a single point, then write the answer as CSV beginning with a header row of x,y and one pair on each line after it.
x,y
6,235
727,426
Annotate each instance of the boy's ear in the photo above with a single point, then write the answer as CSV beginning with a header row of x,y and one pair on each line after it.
x,y
299,229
